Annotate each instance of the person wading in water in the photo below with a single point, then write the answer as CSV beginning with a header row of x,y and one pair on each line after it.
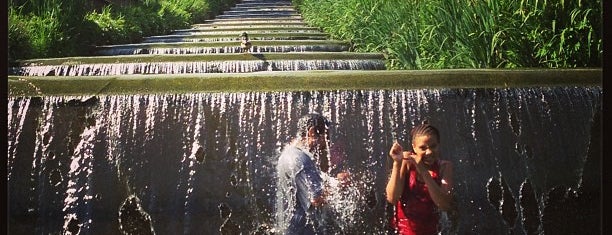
x,y
301,183
420,185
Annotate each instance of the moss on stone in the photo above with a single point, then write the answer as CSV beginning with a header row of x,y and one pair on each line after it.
x,y
301,81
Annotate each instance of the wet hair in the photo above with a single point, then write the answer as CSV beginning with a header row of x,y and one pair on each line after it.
x,y
424,129
320,123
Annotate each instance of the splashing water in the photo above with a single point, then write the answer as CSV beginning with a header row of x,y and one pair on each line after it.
x,y
74,163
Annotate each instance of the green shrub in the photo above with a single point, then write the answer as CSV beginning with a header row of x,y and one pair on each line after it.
x,y
42,33
174,16
198,10
465,34
19,42
109,28
55,28
141,21
46,29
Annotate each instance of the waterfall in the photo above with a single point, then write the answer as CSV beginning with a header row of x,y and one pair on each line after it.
x,y
205,163
16,121
218,50
227,66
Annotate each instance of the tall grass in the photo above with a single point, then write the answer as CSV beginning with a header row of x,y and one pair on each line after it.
x,y
417,34
55,28
43,28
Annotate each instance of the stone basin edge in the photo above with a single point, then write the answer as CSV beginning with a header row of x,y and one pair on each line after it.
x,y
29,86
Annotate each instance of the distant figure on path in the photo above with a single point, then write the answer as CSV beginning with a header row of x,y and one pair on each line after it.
x,y
245,45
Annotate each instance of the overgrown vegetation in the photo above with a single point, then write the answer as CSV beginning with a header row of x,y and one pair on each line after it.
x,y
57,28
466,33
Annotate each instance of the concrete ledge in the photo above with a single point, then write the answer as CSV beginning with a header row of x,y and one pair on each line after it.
x,y
226,44
249,28
222,22
154,58
302,81
235,36
253,23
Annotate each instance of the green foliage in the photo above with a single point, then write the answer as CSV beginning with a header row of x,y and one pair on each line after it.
x,y
174,16
55,28
141,21
19,36
198,10
218,6
572,34
110,28
33,35
465,33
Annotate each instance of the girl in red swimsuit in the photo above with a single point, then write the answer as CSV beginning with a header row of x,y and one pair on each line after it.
x,y
420,184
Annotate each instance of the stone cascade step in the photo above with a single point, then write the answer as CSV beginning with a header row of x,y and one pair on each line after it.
x,y
220,22
208,63
252,23
260,16
259,46
246,28
264,4
235,36
280,41
280,8
261,9
251,10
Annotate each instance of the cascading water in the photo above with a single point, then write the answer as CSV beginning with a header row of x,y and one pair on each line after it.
x,y
205,163
276,33
213,50
225,66
180,38
233,33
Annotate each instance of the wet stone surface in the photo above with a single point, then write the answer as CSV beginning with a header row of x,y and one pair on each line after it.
x,y
508,209
494,192
132,218
501,198
529,209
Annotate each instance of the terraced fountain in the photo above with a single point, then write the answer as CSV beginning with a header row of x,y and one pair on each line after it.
x,y
180,133
281,42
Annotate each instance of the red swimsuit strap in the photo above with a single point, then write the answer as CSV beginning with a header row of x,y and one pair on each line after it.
x,y
435,174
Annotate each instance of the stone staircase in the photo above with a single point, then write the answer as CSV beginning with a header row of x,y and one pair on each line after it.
x,y
281,41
